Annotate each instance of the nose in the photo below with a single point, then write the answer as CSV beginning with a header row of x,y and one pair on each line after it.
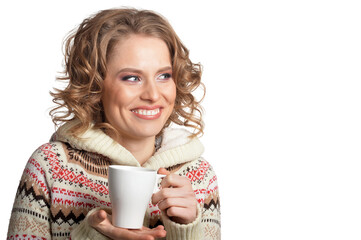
x,y
150,91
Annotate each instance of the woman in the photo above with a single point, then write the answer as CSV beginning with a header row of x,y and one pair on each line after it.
x,y
129,77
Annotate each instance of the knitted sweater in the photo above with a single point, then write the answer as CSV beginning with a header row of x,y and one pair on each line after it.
x,y
67,178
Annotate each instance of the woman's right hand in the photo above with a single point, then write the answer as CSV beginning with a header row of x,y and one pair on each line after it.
x,y
101,221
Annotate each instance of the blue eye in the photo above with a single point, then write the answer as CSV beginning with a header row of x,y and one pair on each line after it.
x,y
130,78
165,76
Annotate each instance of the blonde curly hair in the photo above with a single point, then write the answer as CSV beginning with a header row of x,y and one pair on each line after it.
x,y
87,50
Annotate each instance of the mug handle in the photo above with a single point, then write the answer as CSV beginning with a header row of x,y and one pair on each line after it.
x,y
158,176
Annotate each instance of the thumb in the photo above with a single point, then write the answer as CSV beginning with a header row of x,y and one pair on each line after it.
x,y
97,217
163,171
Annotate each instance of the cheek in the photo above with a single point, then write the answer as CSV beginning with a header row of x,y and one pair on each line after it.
x,y
117,97
171,93
108,99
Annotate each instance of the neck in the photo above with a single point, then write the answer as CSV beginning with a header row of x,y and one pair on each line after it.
x,y
141,148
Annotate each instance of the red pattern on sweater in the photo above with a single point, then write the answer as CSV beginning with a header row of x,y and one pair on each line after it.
x,y
199,173
60,173
35,176
24,237
76,199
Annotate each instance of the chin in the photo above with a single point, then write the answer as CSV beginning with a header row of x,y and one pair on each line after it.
x,y
148,131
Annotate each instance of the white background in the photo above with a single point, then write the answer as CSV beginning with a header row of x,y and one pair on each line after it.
x,y
283,120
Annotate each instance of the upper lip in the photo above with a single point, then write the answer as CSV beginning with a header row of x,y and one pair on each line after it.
x,y
148,107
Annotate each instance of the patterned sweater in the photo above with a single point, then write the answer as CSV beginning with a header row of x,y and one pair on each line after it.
x,y
67,178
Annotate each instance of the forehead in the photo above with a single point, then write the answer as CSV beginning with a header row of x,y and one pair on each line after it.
x,y
137,48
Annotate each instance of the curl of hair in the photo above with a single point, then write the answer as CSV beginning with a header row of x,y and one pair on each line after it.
x,y
87,50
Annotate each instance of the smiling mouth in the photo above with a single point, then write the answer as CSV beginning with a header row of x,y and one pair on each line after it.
x,y
148,112
145,112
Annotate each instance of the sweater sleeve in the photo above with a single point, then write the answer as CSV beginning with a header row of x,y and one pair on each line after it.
x,y
191,231
207,225
211,213
30,216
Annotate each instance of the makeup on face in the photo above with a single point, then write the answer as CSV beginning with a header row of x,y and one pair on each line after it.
x,y
139,91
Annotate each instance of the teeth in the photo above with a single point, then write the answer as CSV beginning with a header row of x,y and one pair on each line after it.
x,y
146,112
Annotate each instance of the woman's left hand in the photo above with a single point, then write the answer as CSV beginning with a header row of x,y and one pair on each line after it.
x,y
176,198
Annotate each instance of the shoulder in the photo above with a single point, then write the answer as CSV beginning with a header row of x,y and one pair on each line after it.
x,y
37,174
58,156
198,171
47,157
50,150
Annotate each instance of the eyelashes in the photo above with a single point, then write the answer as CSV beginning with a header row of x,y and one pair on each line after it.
x,y
165,76
136,78
130,78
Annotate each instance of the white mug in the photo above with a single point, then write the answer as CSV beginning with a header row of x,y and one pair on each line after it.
x,y
130,190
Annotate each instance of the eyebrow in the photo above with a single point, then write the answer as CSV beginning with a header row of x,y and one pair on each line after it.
x,y
140,71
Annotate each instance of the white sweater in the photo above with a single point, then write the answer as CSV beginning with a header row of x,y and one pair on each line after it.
x,y
67,178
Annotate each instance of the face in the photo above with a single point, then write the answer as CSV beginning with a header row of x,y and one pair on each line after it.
x,y
139,91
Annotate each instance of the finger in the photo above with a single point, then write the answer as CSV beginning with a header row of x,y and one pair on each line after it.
x,y
163,194
177,202
163,171
125,234
97,218
160,227
138,234
157,232
174,180
166,193
183,215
